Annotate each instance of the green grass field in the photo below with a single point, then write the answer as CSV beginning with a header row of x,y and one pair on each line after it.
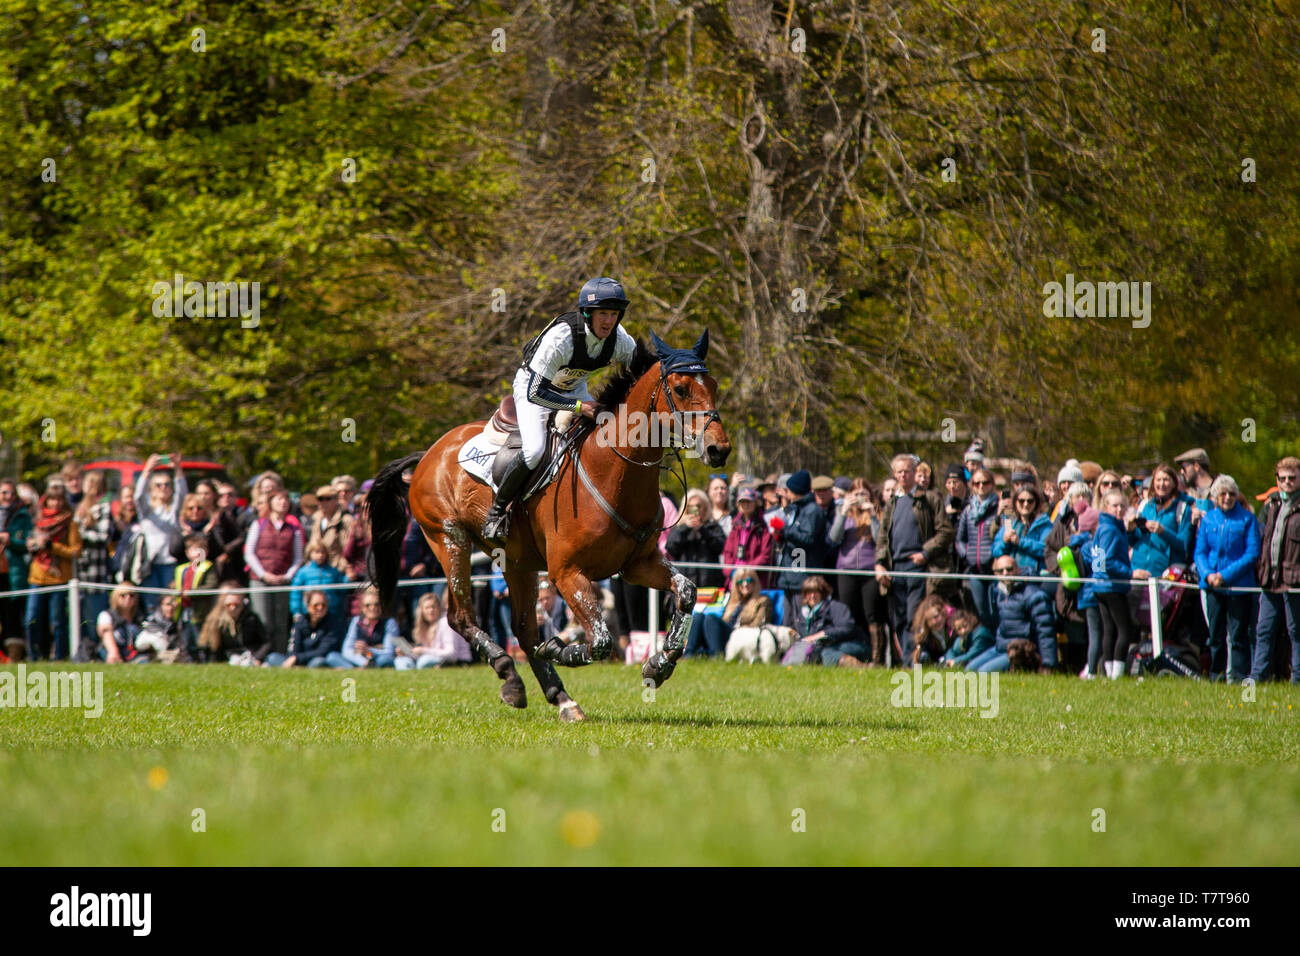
x,y
713,770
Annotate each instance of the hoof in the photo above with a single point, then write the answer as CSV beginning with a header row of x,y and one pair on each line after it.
x,y
571,713
513,692
658,669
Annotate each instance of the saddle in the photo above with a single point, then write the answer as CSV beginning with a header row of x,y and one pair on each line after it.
x,y
487,455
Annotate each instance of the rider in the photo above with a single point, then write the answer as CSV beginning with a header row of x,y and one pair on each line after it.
x,y
554,375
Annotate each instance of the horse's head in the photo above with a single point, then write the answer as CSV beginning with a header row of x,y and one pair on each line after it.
x,y
688,390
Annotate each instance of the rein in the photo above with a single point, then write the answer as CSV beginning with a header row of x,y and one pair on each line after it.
x,y
640,535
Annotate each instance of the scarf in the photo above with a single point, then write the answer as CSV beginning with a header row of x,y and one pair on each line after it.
x,y
53,524
809,614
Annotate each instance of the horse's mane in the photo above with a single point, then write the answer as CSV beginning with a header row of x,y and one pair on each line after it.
x,y
614,391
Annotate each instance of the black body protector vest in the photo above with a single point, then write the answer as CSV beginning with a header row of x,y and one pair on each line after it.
x,y
581,360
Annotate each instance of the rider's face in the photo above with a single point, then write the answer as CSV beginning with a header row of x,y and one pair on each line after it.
x,y
603,321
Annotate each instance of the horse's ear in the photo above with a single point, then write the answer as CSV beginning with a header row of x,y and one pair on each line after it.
x,y
701,348
660,346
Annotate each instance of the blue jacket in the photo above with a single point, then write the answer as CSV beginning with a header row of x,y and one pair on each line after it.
x,y
977,526
977,642
312,575
1228,544
1108,557
1081,542
805,529
1172,544
1024,613
306,643
1028,550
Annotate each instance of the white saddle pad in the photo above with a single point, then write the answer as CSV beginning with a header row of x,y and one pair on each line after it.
x,y
476,457
478,453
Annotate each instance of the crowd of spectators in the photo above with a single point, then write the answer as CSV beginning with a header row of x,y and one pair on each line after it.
x,y
953,568
962,570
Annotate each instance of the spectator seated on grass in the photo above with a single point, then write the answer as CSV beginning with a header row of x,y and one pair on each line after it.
x,y
970,639
161,636
233,632
932,630
434,641
746,606
317,571
371,639
314,635
119,626
825,630
1023,612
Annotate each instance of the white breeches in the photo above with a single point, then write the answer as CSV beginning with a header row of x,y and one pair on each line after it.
x,y
532,418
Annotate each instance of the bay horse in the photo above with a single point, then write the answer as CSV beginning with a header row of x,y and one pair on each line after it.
x,y
601,515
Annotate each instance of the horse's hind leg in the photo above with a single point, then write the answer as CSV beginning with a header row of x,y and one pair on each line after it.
x,y
453,550
523,609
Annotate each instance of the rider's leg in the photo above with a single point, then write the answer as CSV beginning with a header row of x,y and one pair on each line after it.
x,y
532,432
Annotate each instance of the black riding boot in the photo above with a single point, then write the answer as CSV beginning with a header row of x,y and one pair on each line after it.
x,y
512,483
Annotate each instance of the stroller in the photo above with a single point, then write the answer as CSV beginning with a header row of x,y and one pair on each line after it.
x,y
1184,635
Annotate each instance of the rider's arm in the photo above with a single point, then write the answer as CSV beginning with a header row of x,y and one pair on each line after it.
x,y
541,391
554,351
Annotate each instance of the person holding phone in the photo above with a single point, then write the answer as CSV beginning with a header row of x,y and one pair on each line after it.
x,y
698,538
158,497
853,533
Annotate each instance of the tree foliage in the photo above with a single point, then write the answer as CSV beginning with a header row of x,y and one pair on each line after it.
x,y
861,200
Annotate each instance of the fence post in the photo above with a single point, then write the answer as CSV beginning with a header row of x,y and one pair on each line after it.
x,y
654,619
1157,637
74,617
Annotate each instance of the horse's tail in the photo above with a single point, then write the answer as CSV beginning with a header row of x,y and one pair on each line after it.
x,y
389,510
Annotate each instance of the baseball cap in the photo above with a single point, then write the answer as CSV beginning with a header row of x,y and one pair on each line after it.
x,y
823,483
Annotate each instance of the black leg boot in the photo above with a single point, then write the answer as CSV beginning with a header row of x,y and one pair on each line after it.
x,y
512,484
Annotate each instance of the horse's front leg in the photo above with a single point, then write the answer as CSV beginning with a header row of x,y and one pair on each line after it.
x,y
653,570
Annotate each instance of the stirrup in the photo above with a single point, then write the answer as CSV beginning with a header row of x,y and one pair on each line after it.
x,y
497,526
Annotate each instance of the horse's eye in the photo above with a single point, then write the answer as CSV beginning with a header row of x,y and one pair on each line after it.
x,y
680,390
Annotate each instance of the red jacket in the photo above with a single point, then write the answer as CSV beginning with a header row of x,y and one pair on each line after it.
x,y
748,543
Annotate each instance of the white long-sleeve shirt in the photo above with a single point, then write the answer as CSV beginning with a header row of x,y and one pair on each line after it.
x,y
159,527
555,352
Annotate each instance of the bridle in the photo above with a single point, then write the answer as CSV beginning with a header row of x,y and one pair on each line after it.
x,y
677,469
675,413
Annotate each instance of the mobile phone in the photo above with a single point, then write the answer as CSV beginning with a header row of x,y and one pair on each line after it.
x,y
1006,493
164,459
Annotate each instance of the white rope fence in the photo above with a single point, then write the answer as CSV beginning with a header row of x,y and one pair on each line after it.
x,y
75,587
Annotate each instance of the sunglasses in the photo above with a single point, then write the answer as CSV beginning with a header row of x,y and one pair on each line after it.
x,y
979,481
1025,501
1288,477
751,581
720,475
1109,484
